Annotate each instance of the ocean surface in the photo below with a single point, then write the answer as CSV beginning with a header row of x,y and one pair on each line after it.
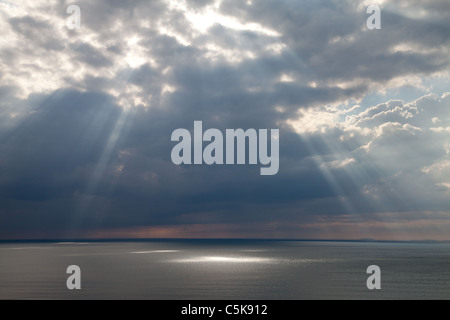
x,y
225,269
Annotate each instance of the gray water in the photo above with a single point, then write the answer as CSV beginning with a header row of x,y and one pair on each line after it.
x,y
224,270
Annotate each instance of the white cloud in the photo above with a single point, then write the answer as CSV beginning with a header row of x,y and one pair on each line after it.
x,y
395,140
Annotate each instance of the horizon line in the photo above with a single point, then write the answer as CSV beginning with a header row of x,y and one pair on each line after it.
x,y
75,240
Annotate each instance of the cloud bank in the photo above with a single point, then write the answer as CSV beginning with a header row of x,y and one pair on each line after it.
x,y
86,118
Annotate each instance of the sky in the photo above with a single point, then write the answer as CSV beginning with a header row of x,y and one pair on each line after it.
x,y
86,117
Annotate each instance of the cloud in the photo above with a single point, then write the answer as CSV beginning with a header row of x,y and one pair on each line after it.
x,y
87,115
389,150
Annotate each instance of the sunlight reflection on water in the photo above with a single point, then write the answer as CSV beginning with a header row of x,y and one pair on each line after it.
x,y
220,259
155,251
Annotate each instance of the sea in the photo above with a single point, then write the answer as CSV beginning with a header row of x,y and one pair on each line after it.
x,y
224,270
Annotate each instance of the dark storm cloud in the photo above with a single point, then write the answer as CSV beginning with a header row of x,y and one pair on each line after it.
x,y
61,136
54,153
309,28
95,152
